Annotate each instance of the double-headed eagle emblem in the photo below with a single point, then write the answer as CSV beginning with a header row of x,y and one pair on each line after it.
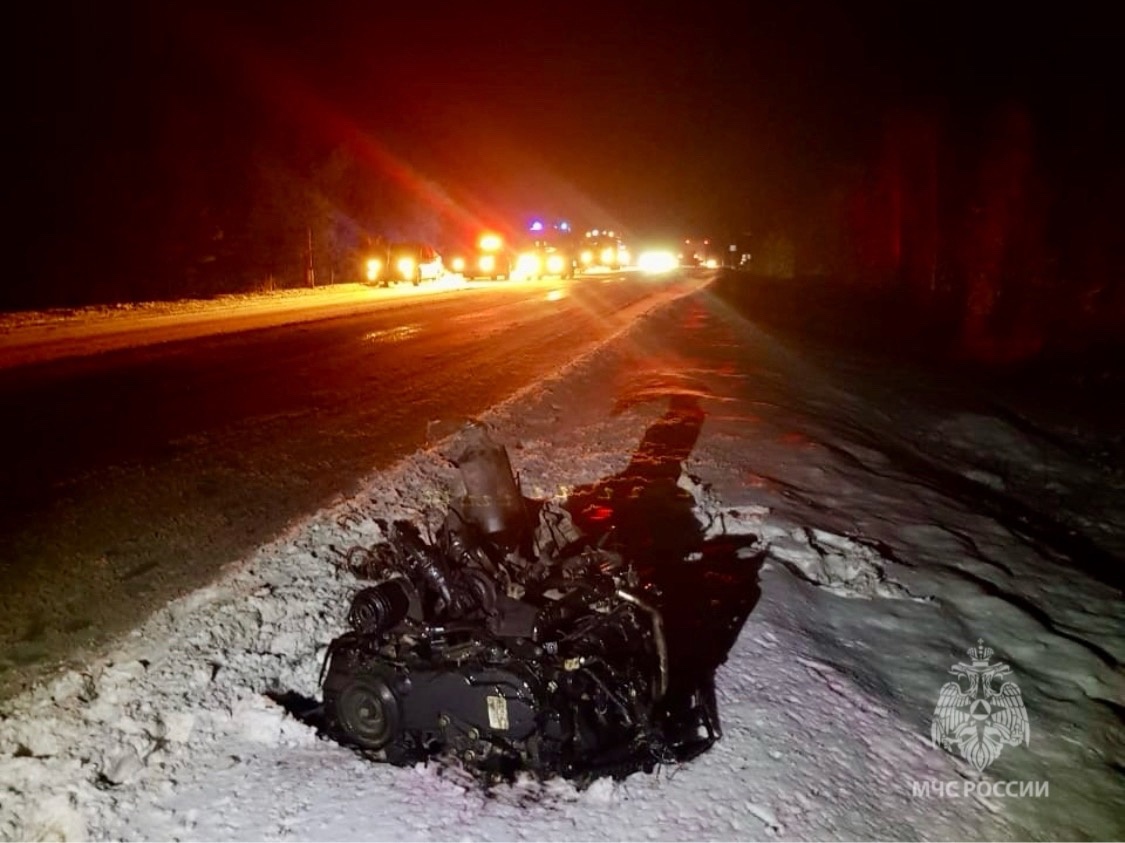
x,y
980,720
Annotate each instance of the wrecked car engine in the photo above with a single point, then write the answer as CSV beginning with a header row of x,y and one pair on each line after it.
x,y
511,647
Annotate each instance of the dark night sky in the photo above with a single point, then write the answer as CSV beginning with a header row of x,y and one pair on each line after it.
x,y
655,116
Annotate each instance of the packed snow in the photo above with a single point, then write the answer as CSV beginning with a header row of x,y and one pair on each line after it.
x,y
37,336
881,572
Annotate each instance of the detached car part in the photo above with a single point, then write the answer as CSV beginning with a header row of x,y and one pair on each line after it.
x,y
510,650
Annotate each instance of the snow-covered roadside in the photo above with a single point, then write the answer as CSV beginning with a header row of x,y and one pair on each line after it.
x,y
65,317
39,336
877,582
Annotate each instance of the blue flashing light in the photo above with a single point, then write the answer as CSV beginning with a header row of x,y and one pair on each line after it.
x,y
537,225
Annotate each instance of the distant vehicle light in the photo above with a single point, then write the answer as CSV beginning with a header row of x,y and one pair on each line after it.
x,y
374,267
537,225
528,265
657,261
587,257
458,264
608,255
564,226
623,256
487,263
555,264
491,242
406,267
711,263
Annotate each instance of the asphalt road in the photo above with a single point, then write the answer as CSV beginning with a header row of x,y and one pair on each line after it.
x,y
132,476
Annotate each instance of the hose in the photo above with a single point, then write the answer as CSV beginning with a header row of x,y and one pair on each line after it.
x,y
657,633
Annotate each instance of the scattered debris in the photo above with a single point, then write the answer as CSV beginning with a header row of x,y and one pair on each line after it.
x,y
511,642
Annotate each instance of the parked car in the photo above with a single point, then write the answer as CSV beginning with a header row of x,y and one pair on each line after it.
x,y
546,259
603,250
489,257
385,264
413,262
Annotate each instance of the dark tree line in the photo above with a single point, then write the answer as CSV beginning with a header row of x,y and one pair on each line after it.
x,y
149,171
185,219
996,224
